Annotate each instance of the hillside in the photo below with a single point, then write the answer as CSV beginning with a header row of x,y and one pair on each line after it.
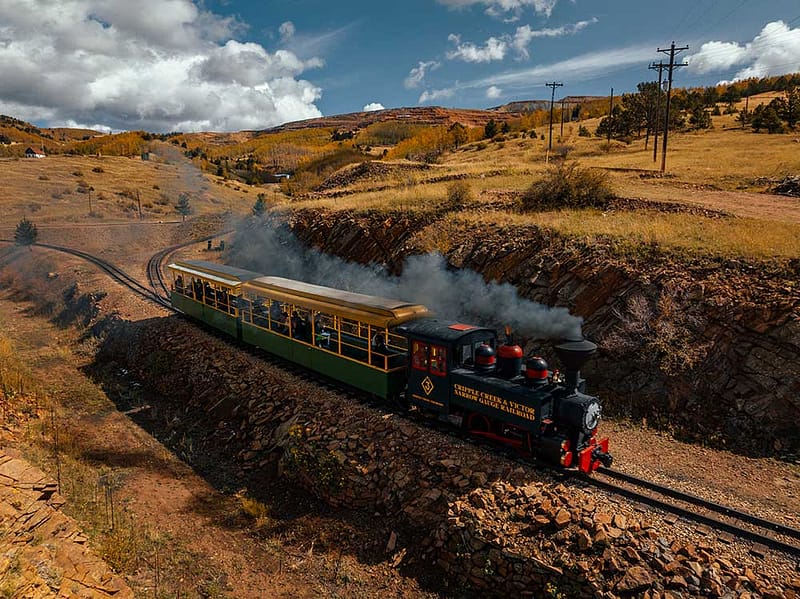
x,y
16,135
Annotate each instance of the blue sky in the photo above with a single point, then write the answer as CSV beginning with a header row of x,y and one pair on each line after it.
x,y
164,65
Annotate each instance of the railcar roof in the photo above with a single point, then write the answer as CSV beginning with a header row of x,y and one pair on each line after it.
x,y
441,330
357,306
218,273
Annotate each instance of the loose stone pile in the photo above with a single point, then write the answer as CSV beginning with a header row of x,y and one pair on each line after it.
x,y
42,552
491,525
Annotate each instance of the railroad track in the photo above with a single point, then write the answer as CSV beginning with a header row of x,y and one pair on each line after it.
x,y
763,533
731,521
155,276
116,273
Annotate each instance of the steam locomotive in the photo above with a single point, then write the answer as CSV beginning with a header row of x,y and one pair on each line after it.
x,y
400,352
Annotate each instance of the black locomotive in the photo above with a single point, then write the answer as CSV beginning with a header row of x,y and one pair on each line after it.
x,y
455,371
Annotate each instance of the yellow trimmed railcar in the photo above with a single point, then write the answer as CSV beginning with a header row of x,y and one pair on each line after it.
x,y
347,336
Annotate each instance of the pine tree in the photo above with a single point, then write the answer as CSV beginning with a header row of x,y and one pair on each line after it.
x,y
182,207
26,233
260,207
490,130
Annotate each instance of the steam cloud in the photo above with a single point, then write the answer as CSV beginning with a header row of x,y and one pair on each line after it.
x,y
426,279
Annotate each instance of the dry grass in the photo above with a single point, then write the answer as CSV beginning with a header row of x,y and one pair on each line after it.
x,y
56,189
717,169
740,236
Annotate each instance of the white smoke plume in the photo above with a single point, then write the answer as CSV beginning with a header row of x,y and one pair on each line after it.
x,y
456,294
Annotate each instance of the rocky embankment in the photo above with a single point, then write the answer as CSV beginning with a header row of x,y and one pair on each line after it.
x,y
705,348
42,551
488,525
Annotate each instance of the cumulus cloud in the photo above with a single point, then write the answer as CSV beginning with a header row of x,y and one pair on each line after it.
x,y
493,92
417,75
774,51
373,106
435,94
506,9
286,30
110,62
496,48
493,49
525,35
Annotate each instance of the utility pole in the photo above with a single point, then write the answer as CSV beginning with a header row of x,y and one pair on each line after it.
x,y
672,52
746,106
610,118
660,67
554,85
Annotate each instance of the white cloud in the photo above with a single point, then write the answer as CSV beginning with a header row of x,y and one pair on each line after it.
x,y
592,65
435,94
507,9
286,30
373,106
493,92
496,48
774,51
493,49
417,75
111,62
525,35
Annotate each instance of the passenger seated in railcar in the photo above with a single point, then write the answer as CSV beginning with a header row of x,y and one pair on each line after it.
x,y
379,350
279,318
301,330
179,284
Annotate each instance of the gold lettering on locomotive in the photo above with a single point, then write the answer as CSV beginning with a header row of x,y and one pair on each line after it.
x,y
494,401
427,385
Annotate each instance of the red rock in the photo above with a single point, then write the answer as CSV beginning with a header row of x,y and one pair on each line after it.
x,y
636,579
563,517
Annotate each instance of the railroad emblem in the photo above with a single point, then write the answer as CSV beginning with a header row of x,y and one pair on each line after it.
x,y
427,385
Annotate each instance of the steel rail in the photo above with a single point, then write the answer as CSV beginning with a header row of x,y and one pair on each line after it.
x,y
735,518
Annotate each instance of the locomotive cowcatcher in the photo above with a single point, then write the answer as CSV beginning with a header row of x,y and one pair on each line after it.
x,y
455,371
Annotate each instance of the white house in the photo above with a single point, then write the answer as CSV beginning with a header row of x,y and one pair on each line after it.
x,y
31,153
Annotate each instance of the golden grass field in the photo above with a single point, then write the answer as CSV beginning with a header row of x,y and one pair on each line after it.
x,y
59,189
723,169
720,169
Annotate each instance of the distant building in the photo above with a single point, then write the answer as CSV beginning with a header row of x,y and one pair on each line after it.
x,y
31,153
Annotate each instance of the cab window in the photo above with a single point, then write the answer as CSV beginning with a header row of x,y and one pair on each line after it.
x,y
438,359
419,355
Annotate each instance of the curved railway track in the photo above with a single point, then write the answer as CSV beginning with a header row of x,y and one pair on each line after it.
x,y
116,273
736,523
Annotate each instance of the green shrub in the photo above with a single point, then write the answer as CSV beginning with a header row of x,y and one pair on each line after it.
x,y
459,194
568,186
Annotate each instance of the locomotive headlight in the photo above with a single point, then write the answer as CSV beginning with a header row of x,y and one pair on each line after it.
x,y
591,417
580,412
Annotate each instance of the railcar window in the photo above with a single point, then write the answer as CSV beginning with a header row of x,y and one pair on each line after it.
x,y
419,355
438,359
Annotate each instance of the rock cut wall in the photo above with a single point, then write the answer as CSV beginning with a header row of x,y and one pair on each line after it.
x,y
704,347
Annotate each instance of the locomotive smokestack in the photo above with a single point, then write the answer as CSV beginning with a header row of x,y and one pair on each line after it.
x,y
573,354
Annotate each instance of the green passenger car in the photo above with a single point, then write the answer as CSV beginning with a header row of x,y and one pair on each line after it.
x,y
346,336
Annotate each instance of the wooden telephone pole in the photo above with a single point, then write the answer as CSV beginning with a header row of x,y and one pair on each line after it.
x,y
554,85
672,50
